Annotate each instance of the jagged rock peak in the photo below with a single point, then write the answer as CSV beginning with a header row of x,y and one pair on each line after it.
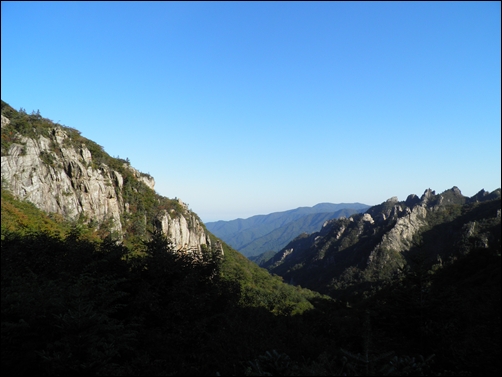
x,y
479,196
483,195
427,195
456,190
412,200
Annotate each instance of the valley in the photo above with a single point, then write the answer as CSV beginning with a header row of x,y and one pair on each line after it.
x,y
101,275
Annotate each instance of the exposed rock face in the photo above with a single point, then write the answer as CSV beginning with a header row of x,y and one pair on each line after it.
x,y
367,217
147,180
60,178
186,232
68,186
399,238
5,121
373,246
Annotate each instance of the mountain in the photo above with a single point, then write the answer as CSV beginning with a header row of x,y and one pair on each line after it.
x,y
51,168
61,172
100,275
360,254
280,237
54,179
261,233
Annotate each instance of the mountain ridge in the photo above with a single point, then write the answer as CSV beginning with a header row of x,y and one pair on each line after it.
x,y
248,235
372,247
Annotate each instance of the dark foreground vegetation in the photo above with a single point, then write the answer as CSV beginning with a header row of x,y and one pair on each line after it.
x,y
77,303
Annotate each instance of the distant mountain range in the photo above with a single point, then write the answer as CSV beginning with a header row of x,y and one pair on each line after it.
x,y
264,233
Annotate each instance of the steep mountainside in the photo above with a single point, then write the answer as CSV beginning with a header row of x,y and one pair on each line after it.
x,y
60,171
280,237
262,233
365,251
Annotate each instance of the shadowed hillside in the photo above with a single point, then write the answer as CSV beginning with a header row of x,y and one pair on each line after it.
x,y
362,253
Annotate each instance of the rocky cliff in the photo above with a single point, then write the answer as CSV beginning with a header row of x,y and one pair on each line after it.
x,y
59,171
368,249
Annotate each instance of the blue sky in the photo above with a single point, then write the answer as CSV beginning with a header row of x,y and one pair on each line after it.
x,y
246,108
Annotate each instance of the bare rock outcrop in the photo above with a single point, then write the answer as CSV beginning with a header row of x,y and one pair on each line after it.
x,y
59,177
400,237
61,182
186,232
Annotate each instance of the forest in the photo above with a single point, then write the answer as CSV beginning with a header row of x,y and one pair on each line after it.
x,y
75,302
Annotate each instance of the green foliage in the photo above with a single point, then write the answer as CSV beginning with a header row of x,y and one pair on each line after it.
x,y
78,305
24,218
272,363
261,259
145,206
260,289
452,311
62,294
47,158
22,124
76,301
71,304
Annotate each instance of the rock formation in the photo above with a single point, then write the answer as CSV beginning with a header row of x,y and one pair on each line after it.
x,y
59,177
373,247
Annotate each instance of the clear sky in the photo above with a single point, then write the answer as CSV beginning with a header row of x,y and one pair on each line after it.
x,y
247,108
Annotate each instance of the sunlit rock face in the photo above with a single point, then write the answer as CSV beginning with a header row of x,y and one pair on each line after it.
x,y
63,182
375,246
186,232
58,177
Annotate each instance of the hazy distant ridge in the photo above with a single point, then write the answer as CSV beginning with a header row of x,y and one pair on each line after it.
x,y
261,233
